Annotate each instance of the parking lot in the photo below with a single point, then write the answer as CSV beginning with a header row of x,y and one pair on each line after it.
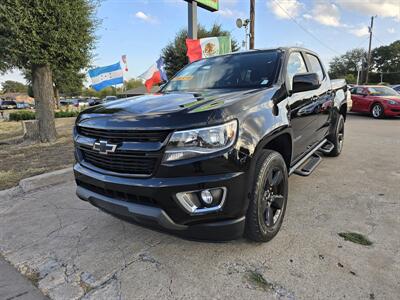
x,y
70,249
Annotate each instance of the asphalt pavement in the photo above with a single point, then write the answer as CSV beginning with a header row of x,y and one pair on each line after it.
x,y
71,250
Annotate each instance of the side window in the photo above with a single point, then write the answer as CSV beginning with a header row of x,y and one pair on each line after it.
x,y
359,91
295,66
316,66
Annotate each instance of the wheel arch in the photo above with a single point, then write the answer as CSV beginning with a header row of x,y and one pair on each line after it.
x,y
280,141
373,103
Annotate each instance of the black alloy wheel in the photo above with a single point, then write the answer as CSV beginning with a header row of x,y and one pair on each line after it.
x,y
268,198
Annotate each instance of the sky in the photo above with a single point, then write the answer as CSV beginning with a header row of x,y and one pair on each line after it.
x,y
141,28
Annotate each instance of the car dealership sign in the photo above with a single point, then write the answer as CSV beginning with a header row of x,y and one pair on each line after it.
x,y
211,5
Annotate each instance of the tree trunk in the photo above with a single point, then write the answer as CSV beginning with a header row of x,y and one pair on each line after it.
x,y
31,130
43,91
56,97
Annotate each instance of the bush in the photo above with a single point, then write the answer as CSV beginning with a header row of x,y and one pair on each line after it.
x,y
22,115
30,115
66,113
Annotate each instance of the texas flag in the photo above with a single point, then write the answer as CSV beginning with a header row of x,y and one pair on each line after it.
x,y
154,75
207,47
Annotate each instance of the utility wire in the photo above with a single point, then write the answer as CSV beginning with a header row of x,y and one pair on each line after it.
x,y
306,30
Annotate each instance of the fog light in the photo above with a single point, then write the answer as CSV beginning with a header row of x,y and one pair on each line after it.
x,y
206,197
202,201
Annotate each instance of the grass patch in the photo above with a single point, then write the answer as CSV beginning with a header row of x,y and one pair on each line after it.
x,y
258,280
356,238
18,161
10,129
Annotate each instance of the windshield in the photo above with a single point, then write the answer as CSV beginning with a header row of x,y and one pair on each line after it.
x,y
382,91
247,70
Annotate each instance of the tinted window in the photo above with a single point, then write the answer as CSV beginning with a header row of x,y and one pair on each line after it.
x,y
248,70
316,66
359,91
382,91
295,66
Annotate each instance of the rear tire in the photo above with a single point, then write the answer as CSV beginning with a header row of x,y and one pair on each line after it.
x,y
268,198
337,138
377,111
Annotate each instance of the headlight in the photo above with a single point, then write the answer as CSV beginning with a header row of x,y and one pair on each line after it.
x,y
196,142
392,102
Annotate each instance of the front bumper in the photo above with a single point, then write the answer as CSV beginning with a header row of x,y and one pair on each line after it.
x,y
392,110
155,204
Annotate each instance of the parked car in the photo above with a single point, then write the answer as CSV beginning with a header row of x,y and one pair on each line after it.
x,y
94,101
109,99
81,102
379,101
8,104
67,102
23,105
209,156
396,88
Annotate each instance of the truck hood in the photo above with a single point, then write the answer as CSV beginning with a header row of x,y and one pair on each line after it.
x,y
166,111
166,103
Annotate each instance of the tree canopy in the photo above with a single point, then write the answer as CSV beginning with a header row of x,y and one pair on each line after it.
x,y
132,84
10,86
45,38
174,54
384,59
347,63
387,58
56,33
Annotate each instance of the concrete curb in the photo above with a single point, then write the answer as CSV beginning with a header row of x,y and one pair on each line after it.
x,y
46,179
9,193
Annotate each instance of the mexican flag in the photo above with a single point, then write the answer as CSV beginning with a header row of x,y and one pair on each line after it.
x,y
207,47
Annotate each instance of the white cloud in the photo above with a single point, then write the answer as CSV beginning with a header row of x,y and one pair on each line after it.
x,y
282,9
307,16
229,13
327,14
360,32
147,18
382,8
391,30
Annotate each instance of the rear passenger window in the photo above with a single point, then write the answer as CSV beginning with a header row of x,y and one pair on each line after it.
x,y
316,66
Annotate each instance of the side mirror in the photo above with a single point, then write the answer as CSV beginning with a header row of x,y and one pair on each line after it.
x,y
305,82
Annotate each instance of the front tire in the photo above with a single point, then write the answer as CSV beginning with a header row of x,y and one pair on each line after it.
x,y
268,198
377,111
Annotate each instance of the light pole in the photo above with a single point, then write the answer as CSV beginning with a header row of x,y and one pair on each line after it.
x,y
369,47
192,20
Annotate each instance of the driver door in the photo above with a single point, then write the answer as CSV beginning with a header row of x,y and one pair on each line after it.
x,y
302,107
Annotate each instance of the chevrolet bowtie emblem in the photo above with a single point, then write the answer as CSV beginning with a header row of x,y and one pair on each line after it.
x,y
104,148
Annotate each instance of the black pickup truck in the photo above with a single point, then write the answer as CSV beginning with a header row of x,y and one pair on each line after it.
x,y
209,155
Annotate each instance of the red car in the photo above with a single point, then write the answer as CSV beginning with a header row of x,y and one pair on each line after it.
x,y
379,101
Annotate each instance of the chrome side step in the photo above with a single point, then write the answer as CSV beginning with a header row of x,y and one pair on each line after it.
x,y
305,158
